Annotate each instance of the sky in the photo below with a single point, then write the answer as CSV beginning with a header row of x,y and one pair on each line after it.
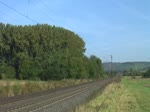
x,y
120,28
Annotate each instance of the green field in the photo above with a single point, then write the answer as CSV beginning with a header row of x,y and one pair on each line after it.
x,y
129,95
140,89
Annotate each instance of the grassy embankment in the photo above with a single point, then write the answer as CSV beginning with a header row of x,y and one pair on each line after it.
x,y
130,95
14,87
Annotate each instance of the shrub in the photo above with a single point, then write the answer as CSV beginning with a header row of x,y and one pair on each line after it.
x,y
147,74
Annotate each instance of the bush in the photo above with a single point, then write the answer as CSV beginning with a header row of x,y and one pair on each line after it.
x,y
147,74
7,72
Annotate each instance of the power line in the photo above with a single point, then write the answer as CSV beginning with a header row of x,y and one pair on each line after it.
x,y
48,9
46,6
18,12
107,60
28,7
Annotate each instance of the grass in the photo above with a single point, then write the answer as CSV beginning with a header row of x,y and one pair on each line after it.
x,y
140,88
15,87
130,95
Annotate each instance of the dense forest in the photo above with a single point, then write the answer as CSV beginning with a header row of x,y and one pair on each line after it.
x,y
44,52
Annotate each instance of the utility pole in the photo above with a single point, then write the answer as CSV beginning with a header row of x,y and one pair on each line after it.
x,y
111,65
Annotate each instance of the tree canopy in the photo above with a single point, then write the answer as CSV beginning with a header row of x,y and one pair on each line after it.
x,y
44,52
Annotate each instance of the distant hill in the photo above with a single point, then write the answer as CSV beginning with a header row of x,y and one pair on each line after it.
x,y
139,66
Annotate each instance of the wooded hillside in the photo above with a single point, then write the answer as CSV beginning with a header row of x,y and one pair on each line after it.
x,y
120,67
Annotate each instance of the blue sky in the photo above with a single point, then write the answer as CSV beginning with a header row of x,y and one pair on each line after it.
x,y
109,27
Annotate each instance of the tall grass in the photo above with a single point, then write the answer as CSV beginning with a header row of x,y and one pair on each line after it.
x,y
114,98
14,87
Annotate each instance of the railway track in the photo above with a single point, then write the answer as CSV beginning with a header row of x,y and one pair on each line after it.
x,y
53,100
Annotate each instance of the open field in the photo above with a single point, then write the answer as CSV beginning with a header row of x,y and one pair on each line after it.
x,y
130,95
140,89
15,87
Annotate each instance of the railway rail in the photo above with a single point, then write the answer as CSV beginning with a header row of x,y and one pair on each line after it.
x,y
59,100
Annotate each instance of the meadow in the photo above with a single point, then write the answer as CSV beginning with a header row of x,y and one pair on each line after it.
x,y
129,95
140,89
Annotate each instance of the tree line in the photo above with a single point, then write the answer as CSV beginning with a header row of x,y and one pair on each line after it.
x,y
44,52
133,73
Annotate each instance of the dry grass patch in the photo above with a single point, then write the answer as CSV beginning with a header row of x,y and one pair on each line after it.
x,y
114,98
14,87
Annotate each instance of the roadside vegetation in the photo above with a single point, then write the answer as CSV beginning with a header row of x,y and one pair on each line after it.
x,y
130,95
15,87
